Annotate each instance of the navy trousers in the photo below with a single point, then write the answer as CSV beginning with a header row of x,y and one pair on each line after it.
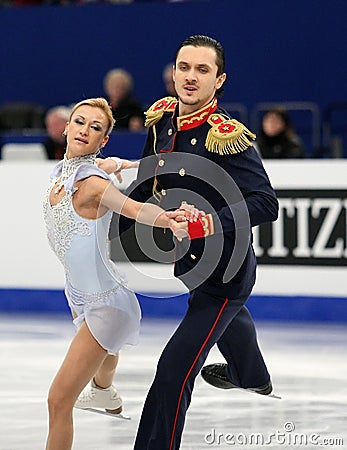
x,y
209,320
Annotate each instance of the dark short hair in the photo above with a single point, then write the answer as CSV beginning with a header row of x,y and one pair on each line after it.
x,y
200,40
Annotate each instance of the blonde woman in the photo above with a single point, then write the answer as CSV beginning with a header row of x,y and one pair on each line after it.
x,y
78,207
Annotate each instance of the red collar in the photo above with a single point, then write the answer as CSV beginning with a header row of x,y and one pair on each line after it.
x,y
197,118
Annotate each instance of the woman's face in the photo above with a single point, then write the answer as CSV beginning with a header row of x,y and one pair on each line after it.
x,y
273,124
86,131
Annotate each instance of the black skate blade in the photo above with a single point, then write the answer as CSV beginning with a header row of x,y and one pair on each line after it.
x,y
258,393
106,413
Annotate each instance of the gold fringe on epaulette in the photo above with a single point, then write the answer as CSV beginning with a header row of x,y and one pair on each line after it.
x,y
229,137
156,111
152,117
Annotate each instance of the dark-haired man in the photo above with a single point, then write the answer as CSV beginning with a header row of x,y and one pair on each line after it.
x,y
204,157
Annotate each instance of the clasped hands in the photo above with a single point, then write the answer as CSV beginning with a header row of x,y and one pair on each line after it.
x,y
180,217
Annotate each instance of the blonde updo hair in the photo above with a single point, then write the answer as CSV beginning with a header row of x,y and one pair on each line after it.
x,y
100,103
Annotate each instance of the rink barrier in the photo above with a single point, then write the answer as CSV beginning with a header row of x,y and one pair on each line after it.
x,y
302,256
262,307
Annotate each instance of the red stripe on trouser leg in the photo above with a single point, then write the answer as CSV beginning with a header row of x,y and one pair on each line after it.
x,y
190,370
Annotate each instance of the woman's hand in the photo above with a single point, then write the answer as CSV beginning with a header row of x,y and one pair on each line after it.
x,y
179,229
116,165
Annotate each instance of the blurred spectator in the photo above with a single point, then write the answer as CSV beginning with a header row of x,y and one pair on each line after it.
x,y
277,137
168,81
127,110
55,143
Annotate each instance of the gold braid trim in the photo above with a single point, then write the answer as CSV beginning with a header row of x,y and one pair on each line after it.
x,y
227,137
156,194
156,111
154,140
208,224
155,191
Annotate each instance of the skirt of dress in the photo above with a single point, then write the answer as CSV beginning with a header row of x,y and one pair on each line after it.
x,y
113,316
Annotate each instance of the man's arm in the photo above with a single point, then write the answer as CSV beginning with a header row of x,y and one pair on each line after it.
x,y
247,171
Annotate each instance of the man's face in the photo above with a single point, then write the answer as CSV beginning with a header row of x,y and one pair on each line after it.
x,y
195,77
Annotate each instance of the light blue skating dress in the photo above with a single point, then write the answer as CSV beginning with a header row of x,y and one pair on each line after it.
x,y
95,290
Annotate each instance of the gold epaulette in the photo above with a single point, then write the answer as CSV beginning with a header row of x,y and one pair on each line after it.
x,y
156,111
227,136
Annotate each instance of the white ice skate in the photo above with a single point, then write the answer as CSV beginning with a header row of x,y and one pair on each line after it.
x,y
102,401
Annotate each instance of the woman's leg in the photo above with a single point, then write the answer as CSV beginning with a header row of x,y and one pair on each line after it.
x,y
105,374
82,361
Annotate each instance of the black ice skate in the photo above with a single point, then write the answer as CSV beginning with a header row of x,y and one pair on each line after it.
x,y
216,375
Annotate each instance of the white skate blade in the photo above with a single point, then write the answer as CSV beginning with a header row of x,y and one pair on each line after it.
x,y
105,413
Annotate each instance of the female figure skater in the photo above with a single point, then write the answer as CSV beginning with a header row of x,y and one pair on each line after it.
x,y
78,207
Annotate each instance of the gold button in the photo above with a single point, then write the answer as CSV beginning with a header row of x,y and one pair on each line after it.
x,y
161,163
193,141
192,256
169,131
182,172
163,192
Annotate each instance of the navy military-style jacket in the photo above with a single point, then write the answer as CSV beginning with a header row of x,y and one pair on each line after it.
x,y
207,159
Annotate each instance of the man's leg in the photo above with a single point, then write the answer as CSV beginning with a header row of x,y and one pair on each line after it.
x,y
168,399
245,364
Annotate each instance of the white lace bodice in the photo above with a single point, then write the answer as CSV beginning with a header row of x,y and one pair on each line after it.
x,y
61,224
80,244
